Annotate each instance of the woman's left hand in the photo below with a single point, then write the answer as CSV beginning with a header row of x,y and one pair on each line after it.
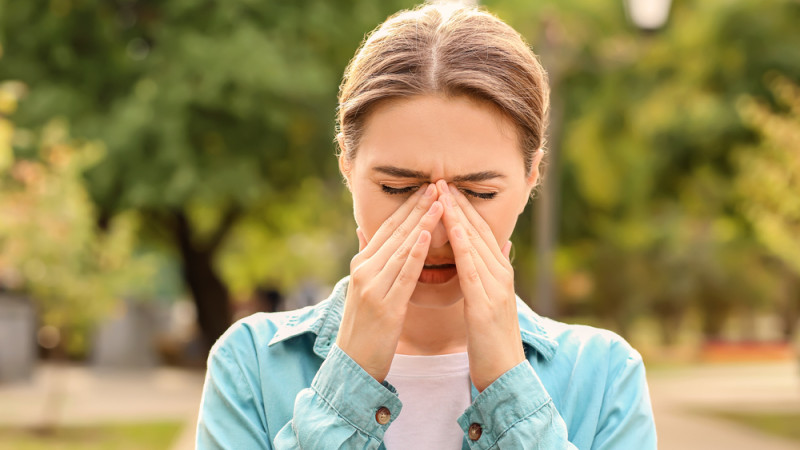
x,y
487,282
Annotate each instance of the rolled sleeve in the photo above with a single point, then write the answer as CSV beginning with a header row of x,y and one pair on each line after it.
x,y
339,409
354,394
515,411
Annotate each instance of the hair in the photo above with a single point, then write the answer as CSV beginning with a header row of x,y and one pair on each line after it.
x,y
449,50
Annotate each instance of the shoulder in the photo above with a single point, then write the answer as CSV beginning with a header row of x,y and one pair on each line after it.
x,y
574,339
596,358
254,333
577,346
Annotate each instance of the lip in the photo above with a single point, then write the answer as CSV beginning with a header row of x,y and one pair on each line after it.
x,y
437,273
439,261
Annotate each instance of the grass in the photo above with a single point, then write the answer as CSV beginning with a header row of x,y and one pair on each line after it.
x,y
784,424
126,436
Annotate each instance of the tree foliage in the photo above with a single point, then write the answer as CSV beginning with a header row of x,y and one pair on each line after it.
x,y
649,218
213,113
50,246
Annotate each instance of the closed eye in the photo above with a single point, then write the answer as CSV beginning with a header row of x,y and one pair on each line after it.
x,y
409,189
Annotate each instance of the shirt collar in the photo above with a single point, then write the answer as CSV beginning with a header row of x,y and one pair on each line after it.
x,y
324,318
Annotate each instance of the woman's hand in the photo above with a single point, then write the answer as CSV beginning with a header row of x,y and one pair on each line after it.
x,y
383,275
487,282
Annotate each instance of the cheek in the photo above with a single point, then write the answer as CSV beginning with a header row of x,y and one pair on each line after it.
x,y
500,218
371,210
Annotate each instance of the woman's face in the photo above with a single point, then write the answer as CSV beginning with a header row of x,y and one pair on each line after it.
x,y
413,141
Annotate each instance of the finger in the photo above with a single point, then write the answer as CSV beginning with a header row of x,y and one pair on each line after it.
x,y
407,230
406,279
414,207
453,217
469,277
393,268
478,224
507,251
362,241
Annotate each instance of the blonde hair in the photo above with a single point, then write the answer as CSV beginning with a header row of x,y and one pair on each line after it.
x,y
451,50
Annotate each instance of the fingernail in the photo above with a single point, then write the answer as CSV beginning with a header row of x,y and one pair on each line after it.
x,y
424,236
434,208
429,190
453,189
457,232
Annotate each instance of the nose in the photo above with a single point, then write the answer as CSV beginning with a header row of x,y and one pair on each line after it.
x,y
439,235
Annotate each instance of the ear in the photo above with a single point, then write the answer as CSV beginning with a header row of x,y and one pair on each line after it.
x,y
345,165
533,179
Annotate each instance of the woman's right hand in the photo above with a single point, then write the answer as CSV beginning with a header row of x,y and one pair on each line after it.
x,y
383,275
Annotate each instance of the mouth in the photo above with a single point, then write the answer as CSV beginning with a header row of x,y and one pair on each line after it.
x,y
437,273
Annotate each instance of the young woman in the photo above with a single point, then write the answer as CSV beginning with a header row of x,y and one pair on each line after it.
x,y
442,114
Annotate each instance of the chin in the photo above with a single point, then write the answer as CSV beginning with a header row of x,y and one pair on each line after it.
x,y
437,295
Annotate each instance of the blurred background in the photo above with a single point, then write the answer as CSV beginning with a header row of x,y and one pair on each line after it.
x,y
167,167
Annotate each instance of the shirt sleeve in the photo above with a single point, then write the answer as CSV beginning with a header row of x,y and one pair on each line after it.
x,y
231,415
516,411
626,417
340,408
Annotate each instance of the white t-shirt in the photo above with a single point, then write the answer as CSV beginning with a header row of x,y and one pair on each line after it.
x,y
435,391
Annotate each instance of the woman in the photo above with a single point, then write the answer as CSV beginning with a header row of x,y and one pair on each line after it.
x,y
442,114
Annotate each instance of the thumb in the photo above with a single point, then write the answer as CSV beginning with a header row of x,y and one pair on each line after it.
x,y
362,241
507,249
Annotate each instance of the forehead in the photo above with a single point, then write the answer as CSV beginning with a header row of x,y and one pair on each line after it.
x,y
443,136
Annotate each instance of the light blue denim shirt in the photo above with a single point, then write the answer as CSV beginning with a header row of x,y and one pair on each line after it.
x,y
278,381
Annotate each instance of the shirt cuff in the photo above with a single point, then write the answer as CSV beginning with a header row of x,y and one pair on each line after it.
x,y
354,394
517,394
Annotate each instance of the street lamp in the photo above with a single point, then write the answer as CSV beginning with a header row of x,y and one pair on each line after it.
x,y
648,15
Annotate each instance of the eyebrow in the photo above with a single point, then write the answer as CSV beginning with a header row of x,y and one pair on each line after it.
x,y
400,172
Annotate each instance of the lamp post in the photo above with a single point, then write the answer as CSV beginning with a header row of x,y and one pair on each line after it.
x,y
648,15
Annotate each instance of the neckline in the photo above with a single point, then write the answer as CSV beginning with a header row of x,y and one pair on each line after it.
x,y
429,365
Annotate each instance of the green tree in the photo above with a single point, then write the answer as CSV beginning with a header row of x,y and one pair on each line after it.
x,y
644,159
213,114
50,246
768,184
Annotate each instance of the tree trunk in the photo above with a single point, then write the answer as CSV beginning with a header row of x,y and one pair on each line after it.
x,y
210,294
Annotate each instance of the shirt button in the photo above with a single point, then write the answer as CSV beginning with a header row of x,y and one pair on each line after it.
x,y
475,432
383,415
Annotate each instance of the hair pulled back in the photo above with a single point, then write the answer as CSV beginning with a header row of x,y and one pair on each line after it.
x,y
449,50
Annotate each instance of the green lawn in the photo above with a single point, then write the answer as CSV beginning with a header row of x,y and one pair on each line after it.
x,y
779,424
149,436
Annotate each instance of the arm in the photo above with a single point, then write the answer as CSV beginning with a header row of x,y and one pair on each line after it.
x,y
231,414
626,418
339,409
517,412
336,411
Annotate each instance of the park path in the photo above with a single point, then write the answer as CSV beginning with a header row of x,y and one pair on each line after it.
x,y
679,393
174,394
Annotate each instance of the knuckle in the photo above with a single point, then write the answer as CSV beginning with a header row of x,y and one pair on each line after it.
x,y
505,278
368,293
400,231
473,275
404,276
483,228
355,261
402,252
357,275
391,222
